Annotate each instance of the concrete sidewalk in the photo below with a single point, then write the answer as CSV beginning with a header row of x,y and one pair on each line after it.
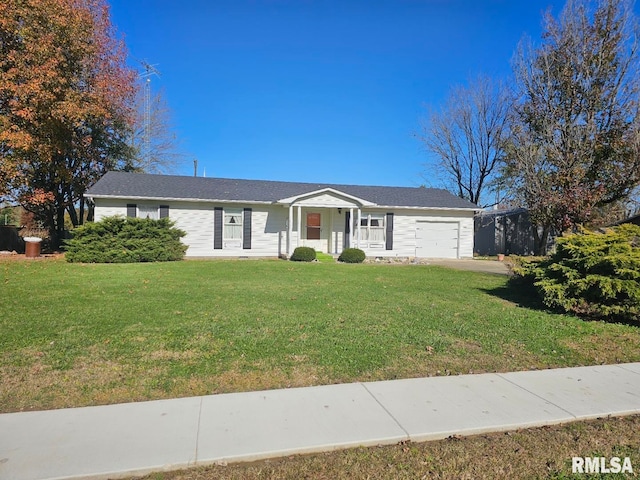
x,y
137,438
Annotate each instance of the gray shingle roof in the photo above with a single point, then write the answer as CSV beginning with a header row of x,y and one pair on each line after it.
x,y
132,185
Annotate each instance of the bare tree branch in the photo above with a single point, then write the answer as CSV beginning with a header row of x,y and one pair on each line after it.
x,y
466,136
164,154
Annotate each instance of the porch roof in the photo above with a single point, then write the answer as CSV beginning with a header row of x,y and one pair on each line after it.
x,y
326,197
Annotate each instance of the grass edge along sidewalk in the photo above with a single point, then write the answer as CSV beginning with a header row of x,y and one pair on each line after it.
x,y
257,425
542,452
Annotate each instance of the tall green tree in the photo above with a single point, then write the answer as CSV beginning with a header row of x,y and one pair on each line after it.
x,y
66,104
575,144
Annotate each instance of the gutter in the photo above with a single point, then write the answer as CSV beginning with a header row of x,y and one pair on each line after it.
x,y
91,197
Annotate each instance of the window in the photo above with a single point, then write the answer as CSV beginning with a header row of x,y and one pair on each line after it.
x,y
372,230
231,228
148,211
233,225
132,209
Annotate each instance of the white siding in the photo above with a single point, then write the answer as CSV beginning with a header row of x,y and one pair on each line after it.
x,y
337,232
109,208
466,237
269,231
197,220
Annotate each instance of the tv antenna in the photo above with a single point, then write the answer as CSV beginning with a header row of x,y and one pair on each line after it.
x,y
148,72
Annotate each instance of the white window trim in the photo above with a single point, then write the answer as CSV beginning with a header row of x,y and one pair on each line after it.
x,y
232,242
365,230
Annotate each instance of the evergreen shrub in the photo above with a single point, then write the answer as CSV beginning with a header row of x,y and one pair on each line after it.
x,y
303,254
352,255
591,274
126,240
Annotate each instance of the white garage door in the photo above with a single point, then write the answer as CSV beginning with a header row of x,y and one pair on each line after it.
x,y
437,239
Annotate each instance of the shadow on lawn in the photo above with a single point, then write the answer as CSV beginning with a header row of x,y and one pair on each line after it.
x,y
520,293
524,295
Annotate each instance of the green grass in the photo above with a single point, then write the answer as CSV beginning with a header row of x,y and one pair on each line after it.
x,y
91,334
324,257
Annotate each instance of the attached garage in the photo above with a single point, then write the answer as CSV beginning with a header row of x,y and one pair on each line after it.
x,y
435,239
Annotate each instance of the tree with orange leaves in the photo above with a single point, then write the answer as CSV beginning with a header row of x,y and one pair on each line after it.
x,y
66,104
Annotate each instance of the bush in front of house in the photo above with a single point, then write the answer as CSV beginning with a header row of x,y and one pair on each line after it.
x,y
591,274
352,255
303,254
126,240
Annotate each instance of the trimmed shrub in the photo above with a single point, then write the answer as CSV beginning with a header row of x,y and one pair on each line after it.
x,y
303,254
126,240
591,274
352,255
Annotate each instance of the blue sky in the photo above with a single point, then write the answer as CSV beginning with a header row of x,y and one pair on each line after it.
x,y
317,91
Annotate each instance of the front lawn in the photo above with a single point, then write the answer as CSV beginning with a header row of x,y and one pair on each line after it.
x,y
76,334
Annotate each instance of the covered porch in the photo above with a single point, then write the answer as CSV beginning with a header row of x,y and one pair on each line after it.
x,y
325,220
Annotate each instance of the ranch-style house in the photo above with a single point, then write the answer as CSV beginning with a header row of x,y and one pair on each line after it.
x,y
255,218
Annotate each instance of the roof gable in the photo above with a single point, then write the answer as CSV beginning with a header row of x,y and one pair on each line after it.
x,y
174,187
326,197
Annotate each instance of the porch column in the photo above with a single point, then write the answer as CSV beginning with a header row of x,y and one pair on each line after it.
x,y
299,225
351,229
330,247
289,230
358,227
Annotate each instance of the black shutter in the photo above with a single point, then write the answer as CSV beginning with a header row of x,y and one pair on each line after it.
x,y
389,244
217,228
347,229
246,229
164,211
131,209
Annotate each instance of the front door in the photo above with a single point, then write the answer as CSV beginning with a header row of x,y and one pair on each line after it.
x,y
315,237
